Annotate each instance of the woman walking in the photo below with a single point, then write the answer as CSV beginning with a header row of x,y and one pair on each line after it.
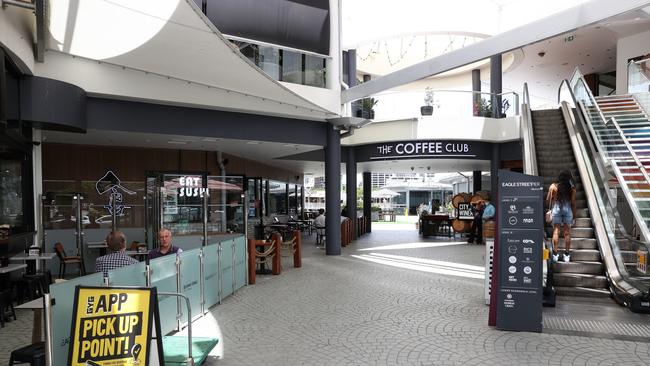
x,y
562,202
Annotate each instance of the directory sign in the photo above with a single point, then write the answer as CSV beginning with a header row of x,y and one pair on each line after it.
x,y
521,234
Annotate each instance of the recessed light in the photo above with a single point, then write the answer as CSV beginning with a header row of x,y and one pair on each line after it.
x,y
253,142
177,142
210,139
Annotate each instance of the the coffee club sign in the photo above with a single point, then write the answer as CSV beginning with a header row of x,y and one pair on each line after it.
x,y
430,149
192,187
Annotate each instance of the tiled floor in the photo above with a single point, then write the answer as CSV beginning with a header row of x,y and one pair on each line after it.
x,y
392,298
380,304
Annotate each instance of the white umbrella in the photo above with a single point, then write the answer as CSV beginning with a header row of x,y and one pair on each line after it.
x,y
384,193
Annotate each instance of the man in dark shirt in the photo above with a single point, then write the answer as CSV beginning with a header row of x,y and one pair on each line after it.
x,y
165,245
116,242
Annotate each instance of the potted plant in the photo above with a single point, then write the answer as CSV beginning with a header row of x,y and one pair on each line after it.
x,y
427,109
367,108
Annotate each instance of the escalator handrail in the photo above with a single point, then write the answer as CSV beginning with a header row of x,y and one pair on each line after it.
x,y
604,232
527,136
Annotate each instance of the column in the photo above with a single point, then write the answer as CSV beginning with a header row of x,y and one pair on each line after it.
x,y
496,85
476,87
352,68
351,188
333,192
367,202
495,164
476,179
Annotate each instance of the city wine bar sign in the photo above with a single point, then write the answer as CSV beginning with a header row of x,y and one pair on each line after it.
x,y
424,149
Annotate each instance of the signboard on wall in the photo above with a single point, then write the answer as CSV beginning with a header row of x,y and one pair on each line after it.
x,y
520,250
111,326
424,149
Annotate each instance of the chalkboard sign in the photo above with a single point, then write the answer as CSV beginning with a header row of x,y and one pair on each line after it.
x,y
465,211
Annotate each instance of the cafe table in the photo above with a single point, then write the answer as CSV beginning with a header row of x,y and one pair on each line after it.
x,y
41,257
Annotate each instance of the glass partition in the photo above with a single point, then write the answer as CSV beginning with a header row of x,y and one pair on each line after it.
x,y
241,265
225,207
277,198
62,295
190,281
225,263
211,275
163,277
133,275
182,209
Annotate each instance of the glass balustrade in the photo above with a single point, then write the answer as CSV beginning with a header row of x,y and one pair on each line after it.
x,y
438,104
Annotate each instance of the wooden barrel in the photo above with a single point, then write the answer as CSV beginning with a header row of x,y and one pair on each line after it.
x,y
461,226
459,198
484,194
488,229
475,198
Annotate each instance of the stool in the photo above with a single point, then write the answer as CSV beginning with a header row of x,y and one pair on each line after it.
x,y
6,302
34,354
29,287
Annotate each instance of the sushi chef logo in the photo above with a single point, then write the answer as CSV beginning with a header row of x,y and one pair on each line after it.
x,y
110,184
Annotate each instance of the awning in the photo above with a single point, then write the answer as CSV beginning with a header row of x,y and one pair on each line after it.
x,y
162,51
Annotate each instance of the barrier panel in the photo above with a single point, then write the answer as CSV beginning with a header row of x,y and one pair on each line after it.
x,y
62,295
211,275
240,262
190,280
224,271
163,276
133,275
225,260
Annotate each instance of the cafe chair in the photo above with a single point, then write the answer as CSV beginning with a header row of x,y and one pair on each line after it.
x,y
34,354
65,260
6,303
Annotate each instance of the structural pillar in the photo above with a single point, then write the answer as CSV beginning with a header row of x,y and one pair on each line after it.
x,y
352,68
333,192
476,180
495,164
351,188
476,89
367,201
496,86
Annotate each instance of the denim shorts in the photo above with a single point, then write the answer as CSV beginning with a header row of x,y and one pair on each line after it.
x,y
562,214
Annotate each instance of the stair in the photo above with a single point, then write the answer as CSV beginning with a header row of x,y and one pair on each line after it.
x,y
584,275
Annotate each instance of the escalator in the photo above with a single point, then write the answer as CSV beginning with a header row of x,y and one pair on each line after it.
x,y
584,275
608,158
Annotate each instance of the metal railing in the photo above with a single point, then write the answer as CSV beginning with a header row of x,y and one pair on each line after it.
x,y
527,135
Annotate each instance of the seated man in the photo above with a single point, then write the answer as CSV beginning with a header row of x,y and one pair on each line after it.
x,y
166,247
116,242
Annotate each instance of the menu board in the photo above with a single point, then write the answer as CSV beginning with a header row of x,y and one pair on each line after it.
x,y
521,234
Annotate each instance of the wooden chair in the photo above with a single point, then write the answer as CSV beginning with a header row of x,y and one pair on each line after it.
x,y
65,260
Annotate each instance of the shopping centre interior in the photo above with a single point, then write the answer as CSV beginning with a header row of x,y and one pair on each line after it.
x,y
231,125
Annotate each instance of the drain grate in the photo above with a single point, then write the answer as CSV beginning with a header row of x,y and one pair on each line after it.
x,y
594,326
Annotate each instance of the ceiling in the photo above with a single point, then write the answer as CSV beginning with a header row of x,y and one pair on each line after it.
x,y
545,64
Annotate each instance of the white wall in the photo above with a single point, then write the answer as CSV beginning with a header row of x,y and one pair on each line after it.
x,y
628,47
17,37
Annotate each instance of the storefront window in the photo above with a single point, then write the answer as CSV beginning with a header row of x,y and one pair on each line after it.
x,y
11,195
277,198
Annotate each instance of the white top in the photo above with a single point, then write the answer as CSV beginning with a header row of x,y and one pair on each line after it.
x,y
320,221
34,304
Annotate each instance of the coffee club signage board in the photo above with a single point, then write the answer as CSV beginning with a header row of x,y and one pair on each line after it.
x,y
424,149
520,250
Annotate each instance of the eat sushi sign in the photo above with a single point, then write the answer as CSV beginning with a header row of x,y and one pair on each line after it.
x,y
192,187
